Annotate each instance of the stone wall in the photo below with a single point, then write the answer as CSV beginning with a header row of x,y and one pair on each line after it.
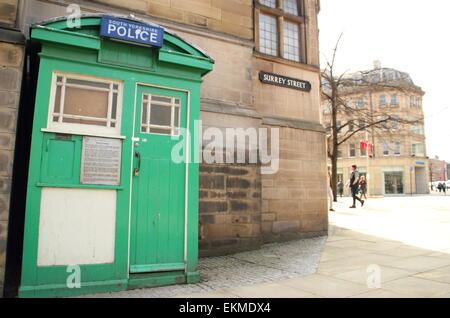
x,y
11,64
229,208
232,17
294,202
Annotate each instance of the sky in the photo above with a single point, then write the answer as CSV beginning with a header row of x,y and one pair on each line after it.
x,y
409,35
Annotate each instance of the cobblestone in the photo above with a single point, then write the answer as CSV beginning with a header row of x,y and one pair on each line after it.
x,y
271,262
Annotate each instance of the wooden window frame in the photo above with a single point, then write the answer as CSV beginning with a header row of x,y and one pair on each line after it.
x,y
173,128
281,16
84,129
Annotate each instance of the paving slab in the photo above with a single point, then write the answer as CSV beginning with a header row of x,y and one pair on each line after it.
x,y
325,286
420,263
440,275
417,287
269,290
379,293
358,262
362,275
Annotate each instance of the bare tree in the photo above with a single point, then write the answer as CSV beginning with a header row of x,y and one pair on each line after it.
x,y
355,119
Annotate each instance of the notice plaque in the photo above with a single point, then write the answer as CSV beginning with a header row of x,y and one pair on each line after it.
x,y
101,161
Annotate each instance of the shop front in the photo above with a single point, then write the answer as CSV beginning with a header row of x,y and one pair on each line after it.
x,y
107,207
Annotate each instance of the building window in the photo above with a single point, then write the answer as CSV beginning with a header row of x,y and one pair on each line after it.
x,y
281,29
385,148
397,148
268,35
393,182
290,6
269,3
394,101
360,102
418,129
418,150
84,104
352,150
382,100
415,102
291,41
160,115
362,151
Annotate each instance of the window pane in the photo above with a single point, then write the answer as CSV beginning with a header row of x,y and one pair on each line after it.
x,y
160,131
397,148
88,83
291,42
160,115
268,35
393,182
85,102
385,148
162,99
269,3
57,108
176,120
144,113
114,106
291,6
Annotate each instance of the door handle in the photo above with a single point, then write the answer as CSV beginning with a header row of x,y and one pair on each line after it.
x,y
136,170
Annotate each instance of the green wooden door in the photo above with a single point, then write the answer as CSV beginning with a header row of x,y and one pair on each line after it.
x,y
158,193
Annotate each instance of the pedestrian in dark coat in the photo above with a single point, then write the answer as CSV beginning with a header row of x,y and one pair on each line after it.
x,y
354,186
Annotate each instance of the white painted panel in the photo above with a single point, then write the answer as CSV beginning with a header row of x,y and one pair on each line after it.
x,y
76,226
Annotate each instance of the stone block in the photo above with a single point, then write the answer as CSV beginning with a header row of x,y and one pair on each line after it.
x,y
9,79
268,217
212,206
7,141
5,185
238,183
285,226
198,7
132,5
11,55
314,222
266,227
166,12
6,162
9,98
278,206
8,11
212,182
4,206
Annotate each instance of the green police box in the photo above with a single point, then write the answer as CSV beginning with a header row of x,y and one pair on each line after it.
x,y
110,204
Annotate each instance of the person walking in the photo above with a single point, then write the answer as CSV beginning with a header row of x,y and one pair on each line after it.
x,y
330,189
340,187
354,186
363,186
439,187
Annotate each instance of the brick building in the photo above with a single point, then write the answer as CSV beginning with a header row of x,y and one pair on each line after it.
x,y
266,75
438,170
398,163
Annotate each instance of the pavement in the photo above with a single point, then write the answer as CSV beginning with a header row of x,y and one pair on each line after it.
x,y
392,247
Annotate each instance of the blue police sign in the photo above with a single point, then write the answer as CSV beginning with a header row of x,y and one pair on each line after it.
x,y
130,31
